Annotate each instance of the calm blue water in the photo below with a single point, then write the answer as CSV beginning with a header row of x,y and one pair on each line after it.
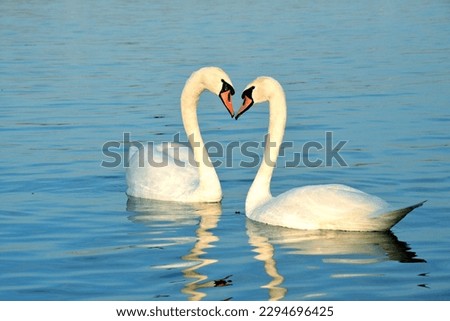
x,y
77,74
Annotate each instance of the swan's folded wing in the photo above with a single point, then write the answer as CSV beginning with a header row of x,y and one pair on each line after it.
x,y
155,175
178,152
335,207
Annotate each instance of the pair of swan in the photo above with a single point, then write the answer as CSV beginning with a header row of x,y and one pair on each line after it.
x,y
333,207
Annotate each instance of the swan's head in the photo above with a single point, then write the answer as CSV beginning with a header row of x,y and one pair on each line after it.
x,y
259,90
217,81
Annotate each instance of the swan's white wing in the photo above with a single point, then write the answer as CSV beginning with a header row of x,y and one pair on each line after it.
x,y
178,152
336,207
153,173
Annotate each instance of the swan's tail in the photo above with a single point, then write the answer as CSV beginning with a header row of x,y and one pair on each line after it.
x,y
133,150
391,218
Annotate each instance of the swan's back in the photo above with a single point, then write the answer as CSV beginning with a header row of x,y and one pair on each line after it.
x,y
155,173
335,207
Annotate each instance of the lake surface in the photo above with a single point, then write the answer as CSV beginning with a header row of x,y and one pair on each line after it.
x,y
75,75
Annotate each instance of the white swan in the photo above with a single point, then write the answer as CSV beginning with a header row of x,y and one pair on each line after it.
x,y
185,176
333,207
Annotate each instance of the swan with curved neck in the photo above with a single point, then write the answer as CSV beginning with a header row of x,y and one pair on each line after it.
x,y
182,176
332,207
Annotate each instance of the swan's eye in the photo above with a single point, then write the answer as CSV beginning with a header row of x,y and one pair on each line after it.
x,y
227,87
248,92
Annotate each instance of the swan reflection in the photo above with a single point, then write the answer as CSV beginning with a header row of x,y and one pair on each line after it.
x,y
335,247
166,220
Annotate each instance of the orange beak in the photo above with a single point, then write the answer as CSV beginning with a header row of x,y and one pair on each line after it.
x,y
246,104
225,96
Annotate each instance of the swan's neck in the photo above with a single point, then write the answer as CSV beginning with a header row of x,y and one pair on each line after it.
x,y
259,192
208,179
